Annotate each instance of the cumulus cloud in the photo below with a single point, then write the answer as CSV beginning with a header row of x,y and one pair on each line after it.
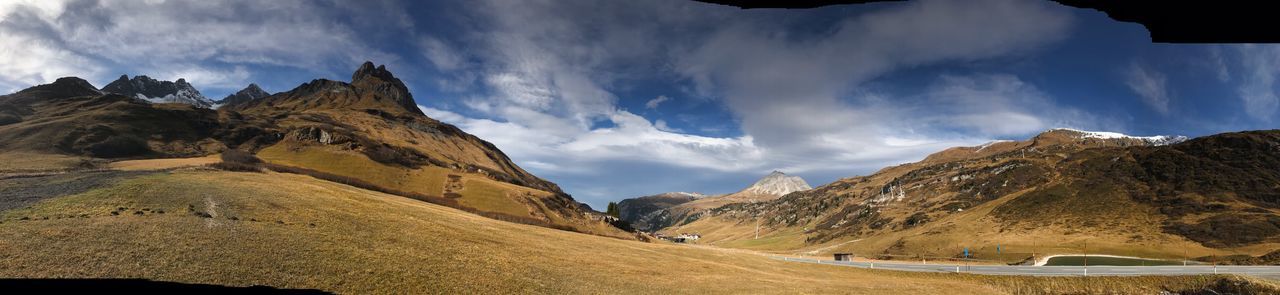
x,y
1149,84
552,70
788,90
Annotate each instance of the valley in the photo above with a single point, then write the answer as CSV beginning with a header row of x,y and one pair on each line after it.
x,y
332,237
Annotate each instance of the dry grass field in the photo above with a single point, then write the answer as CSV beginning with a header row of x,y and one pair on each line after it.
x,y
293,231
164,163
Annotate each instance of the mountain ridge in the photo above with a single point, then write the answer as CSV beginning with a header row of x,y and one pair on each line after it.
x,y
1211,194
157,91
368,131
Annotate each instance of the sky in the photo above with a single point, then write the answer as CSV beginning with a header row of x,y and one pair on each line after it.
x,y
618,99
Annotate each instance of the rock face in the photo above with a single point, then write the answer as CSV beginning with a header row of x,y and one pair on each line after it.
x,y
778,183
156,91
249,93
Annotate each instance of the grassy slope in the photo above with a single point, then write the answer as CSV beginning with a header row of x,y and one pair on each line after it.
x,y
315,234
478,192
1102,217
949,236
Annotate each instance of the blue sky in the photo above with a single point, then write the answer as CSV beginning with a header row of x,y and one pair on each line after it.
x,y
616,99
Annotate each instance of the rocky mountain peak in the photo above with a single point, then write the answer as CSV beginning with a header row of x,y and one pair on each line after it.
x,y
778,183
155,91
249,93
368,70
385,86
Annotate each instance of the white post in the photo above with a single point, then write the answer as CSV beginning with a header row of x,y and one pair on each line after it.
x,y
957,268
873,265
1215,269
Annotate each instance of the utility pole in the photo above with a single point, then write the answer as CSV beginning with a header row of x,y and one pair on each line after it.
x,y
1086,266
1184,255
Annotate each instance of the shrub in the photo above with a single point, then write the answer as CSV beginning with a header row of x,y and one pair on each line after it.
x,y
237,160
239,156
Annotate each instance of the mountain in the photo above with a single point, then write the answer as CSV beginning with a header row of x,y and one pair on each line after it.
x,y
1157,196
155,91
70,116
249,93
368,131
655,213
644,211
370,88
778,183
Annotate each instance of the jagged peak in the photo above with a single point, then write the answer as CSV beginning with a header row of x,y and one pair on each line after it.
x,y
369,70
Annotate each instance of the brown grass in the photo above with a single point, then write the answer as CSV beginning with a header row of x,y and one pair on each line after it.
x,y
162,164
294,231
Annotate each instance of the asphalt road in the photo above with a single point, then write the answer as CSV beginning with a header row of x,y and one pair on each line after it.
x,y
1262,271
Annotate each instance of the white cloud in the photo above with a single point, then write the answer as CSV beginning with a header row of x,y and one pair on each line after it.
x,y
653,103
157,37
551,70
234,78
633,139
789,91
1257,87
440,54
26,61
1149,84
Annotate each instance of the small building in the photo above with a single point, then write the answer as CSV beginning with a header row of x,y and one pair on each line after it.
x,y
844,256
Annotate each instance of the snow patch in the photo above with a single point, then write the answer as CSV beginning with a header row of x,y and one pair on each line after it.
x,y
1157,140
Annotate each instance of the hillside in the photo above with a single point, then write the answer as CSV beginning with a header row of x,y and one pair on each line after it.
x,y
1137,196
657,218
643,211
70,116
369,129
292,231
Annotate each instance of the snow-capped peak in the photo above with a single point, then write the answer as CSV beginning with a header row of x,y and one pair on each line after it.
x,y
156,91
1157,140
778,183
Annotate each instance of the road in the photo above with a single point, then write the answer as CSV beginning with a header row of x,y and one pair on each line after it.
x,y
1262,271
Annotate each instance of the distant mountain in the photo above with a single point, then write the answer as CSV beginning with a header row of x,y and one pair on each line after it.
x,y
641,212
1156,194
70,116
778,183
654,213
156,91
249,93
